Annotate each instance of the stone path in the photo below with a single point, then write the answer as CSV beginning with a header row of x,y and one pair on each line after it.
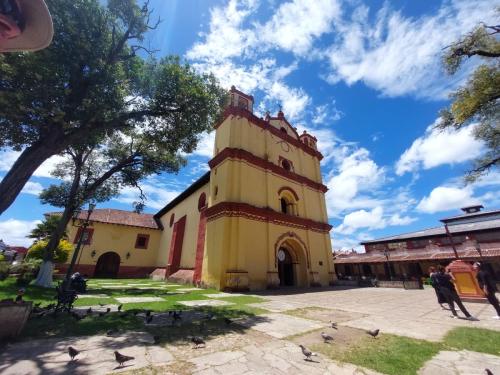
x,y
280,325
412,313
222,295
206,302
139,299
274,357
463,362
51,356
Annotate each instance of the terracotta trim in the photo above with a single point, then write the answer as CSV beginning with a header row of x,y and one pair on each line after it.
x,y
235,111
286,188
234,209
237,153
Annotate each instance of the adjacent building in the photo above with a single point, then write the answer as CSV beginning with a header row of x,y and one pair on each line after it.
x,y
473,235
256,220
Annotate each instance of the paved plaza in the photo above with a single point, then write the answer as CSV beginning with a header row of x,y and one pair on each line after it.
x,y
266,343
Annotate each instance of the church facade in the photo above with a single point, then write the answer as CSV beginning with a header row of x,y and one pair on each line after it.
x,y
256,220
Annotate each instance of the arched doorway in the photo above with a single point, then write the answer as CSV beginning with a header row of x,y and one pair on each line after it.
x,y
107,265
285,268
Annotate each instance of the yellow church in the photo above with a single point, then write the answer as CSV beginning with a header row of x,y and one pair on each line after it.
x,y
256,220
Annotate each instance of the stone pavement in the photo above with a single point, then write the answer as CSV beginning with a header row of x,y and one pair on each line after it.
x,y
463,362
262,345
50,356
412,313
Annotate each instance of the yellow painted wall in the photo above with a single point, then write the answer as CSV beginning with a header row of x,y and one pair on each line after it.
x,y
236,243
188,207
120,239
241,133
239,181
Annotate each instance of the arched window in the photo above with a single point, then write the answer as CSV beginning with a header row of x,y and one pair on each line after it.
x,y
283,130
202,201
172,218
286,165
284,205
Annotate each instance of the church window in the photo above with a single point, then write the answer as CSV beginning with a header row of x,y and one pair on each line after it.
x,y
216,191
284,206
172,218
202,201
283,130
142,241
286,165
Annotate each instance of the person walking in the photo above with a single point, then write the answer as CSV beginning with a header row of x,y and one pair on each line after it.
x,y
439,295
447,288
487,284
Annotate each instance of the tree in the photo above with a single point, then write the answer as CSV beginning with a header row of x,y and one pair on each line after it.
x,y
477,101
60,255
91,83
98,173
43,230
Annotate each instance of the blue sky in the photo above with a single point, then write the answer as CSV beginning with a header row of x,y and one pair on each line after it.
x,y
363,77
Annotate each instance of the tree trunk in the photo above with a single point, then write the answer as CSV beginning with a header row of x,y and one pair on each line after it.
x,y
45,274
24,167
44,277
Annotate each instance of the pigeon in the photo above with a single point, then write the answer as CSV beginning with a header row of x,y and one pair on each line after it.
x,y
72,352
333,325
306,352
111,332
89,311
197,341
327,338
108,310
121,359
120,307
373,333
149,319
488,371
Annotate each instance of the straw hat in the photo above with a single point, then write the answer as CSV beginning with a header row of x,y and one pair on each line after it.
x,y
38,30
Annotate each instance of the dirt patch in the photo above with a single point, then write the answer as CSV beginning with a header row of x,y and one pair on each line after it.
x,y
344,338
325,315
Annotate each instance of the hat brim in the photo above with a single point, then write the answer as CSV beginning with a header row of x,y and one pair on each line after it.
x,y
38,31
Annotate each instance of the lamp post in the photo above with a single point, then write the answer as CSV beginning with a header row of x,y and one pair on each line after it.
x,y
386,253
79,243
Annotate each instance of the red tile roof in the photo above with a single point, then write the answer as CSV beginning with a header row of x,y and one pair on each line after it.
x,y
121,217
493,250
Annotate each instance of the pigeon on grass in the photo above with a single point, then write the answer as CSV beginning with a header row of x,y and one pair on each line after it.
x,y
326,337
373,332
121,358
333,325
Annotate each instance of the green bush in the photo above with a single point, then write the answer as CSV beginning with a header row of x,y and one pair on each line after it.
x,y
61,254
4,269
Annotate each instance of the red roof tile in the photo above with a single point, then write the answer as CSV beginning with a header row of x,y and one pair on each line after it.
x,y
121,217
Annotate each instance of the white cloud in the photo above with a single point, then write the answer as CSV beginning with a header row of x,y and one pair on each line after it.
x,y
438,147
9,157
357,174
445,198
206,145
34,188
399,55
13,232
362,219
396,219
158,195
295,25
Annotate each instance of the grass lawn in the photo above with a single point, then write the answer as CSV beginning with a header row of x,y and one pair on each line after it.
x,y
388,354
473,339
64,325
